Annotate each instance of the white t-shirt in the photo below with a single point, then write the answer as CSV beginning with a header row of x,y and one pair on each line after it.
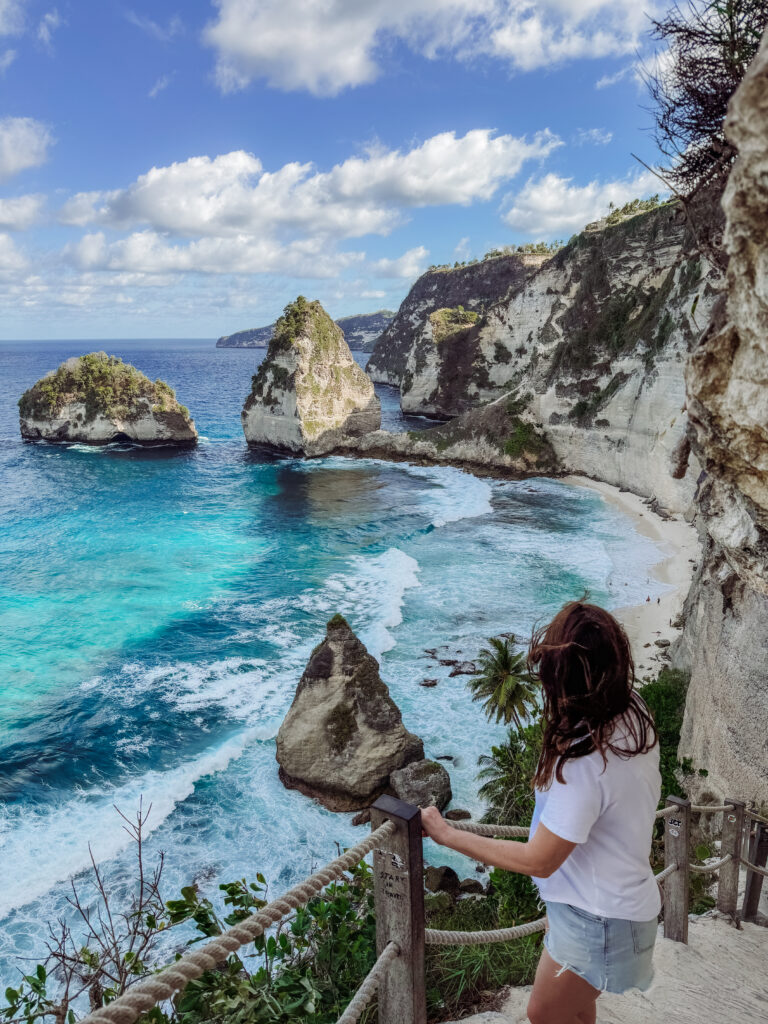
x,y
609,812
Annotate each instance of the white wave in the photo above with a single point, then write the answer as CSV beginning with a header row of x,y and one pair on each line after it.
x,y
454,495
45,845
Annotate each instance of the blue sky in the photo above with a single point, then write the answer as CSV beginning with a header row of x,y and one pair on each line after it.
x,y
184,170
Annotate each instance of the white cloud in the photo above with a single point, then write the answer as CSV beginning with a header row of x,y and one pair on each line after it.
x,y
593,136
607,80
24,143
372,294
150,253
10,257
162,83
409,265
232,193
461,250
553,205
6,59
20,213
48,25
163,33
11,17
325,46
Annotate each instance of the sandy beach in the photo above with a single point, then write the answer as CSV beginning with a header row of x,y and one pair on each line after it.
x,y
651,621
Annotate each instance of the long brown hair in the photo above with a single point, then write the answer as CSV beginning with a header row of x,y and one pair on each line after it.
x,y
584,664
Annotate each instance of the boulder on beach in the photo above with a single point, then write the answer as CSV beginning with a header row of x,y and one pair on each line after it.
x,y
343,735
309,395
97,399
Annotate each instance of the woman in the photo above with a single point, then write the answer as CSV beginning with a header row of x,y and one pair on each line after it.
x,y
597,787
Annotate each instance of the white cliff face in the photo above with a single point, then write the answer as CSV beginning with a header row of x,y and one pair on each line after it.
x,y
96,399
309,393
144,426
594,345
725,637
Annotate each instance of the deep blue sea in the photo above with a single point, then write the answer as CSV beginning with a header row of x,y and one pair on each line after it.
x,y
157,609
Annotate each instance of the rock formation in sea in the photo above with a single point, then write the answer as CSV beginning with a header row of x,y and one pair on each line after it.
x,y
360,332
589,345
309,394
96,399
725,638
343,735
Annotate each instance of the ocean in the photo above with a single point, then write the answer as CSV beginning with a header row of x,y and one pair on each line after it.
x,y
157,609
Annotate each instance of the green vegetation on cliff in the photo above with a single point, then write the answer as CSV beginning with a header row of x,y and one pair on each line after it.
x,y
447,322
104,384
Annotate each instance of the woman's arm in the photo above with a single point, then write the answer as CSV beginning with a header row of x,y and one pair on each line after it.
x,y
540,856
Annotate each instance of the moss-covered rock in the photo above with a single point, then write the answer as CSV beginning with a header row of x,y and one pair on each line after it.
x,y
343,735
97,398
309,393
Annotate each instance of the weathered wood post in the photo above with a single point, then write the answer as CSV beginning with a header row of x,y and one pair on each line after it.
x,y
758,854
730,842
399,894
677,841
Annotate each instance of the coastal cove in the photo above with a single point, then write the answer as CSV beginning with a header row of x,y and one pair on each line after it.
x,y
159,606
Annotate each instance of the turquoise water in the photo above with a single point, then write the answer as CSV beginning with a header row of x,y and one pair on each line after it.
x,y
157,609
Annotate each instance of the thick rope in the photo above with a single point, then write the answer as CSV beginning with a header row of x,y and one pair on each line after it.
x,y
703,869
665,812
433,937
669,870
710,808
141,997
367,990
500,831
756,817
753,867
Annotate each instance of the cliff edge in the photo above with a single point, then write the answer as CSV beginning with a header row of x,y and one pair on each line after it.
x,y
725,638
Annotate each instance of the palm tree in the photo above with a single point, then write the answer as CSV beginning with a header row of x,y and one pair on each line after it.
x,y
506,775
503,683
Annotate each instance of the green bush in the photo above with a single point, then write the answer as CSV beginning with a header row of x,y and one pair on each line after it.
x,y
665,696
104,384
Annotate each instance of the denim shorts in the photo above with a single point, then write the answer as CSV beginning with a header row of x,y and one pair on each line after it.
x,y
613,955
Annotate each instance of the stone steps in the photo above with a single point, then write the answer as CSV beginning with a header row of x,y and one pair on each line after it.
x,y
719,977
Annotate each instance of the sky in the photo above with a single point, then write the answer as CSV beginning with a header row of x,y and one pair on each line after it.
x,y
174,169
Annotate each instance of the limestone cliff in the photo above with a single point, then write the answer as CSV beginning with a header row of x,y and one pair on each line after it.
x,y
725,639
309,394
96,399
473,286
591,345
343,735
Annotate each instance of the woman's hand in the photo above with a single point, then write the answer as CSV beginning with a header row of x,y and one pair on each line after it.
x,y
434,825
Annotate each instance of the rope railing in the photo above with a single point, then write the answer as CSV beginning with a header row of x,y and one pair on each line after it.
x,y
704,869
670,869
397,976
158,988
710,808
665,812
495,831
754,867
369,987
436,937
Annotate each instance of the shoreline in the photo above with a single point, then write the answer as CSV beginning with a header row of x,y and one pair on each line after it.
x,y
681,552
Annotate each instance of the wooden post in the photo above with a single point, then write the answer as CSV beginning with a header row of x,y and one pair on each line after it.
x,y
399,894
731,840
758,854
677,841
